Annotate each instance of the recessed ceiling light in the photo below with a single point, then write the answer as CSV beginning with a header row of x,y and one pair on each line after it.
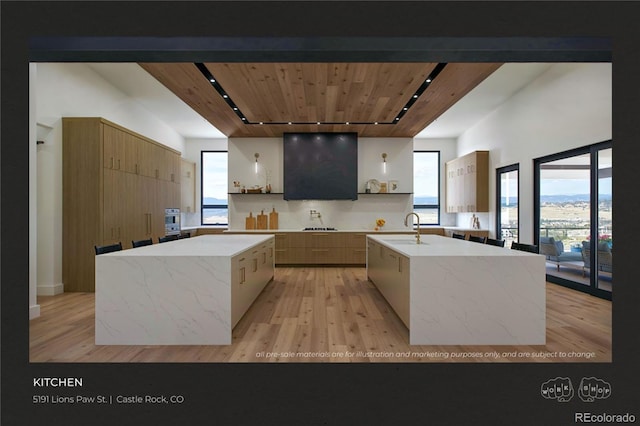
x,y
235,108
243,118
397,118
261,122
428,80
225,96
405,108
289,122
375,122
415,96
347,123
213,80
318,122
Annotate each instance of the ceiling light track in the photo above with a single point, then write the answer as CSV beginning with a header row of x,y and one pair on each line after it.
x,y
216,85
425,84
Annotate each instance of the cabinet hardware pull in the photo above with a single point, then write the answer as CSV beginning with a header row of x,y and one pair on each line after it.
x,y
111,163
118,164
241,259
399,264
137,169
255,265
254,252
393,256
242,275
319,250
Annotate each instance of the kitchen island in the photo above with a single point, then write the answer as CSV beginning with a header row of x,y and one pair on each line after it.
x,y
455,292
191,291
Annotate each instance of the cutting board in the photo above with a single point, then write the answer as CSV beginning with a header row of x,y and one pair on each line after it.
x,y
262,221
273,219
250,222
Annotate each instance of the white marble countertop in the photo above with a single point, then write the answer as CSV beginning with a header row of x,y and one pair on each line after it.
x,y
204,245
436,245
360,231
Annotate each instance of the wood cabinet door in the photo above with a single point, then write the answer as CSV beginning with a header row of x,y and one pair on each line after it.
x,y
187,186
482,181
355,256
356,240
325,240
132,153
114,188
113,148
452,186
152,160
238,287
144,213
133,219
173,166
470,177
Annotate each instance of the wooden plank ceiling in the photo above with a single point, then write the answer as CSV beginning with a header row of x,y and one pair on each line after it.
x,y
333,94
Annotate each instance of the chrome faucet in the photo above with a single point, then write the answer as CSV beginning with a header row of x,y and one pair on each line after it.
x,y
406,223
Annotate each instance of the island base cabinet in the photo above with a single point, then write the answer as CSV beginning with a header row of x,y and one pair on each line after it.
x,y
448,291
251,271
191,291
389,272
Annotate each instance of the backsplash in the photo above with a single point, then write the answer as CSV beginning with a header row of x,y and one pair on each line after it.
x,y
359,214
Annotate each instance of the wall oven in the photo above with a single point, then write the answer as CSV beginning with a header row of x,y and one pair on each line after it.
x,y
172,221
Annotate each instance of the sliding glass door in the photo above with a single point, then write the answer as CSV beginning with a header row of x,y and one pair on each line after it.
x,y
604,254
574,217
507,218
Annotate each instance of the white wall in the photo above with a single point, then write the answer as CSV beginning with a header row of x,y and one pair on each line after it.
x,y
359,214
67,90
568,106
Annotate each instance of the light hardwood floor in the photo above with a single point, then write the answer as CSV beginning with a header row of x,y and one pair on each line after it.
x,y
309,314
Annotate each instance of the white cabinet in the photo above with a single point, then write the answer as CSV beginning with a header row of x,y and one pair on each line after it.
x,y
389,271
251,271
467,183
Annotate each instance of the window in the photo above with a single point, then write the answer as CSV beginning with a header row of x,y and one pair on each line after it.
x,y
507,218
215,208
426,186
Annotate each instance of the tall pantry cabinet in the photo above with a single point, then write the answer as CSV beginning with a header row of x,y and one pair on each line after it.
x,y
116,185
467,184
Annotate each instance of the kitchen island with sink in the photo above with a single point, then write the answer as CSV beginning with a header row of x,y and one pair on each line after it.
x,y
191,291
455,292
